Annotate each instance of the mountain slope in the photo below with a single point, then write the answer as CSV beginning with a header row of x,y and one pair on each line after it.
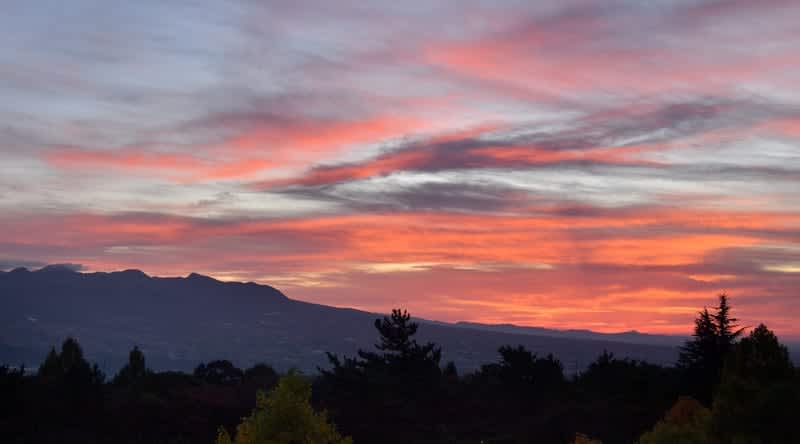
x,y
180,322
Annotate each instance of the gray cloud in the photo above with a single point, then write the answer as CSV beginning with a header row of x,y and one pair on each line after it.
x,y
65,266
441,196
613,128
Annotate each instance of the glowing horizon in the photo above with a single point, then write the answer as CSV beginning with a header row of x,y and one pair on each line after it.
x,y
611,167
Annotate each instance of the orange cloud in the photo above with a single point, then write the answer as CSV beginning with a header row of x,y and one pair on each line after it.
x,y
290,144
313,138
639,237
627,268
180,167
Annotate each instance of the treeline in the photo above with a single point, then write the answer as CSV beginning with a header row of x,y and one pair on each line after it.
x,y
725,388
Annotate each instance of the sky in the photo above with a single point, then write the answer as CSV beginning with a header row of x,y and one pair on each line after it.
x,y
605,165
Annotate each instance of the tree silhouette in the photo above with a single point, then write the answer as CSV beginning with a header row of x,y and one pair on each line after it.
x,y
450,371
219,372
727,330
397,344
134,372
703,357
50,370
70,370
760,357
758,397
389,386
262,376
521,369
403,365
614,378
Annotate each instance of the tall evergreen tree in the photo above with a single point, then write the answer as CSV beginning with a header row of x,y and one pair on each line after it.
x,y
135,371
50,370
703,356
727,329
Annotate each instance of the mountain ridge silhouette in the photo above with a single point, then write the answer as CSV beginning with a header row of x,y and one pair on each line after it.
x,y
181,321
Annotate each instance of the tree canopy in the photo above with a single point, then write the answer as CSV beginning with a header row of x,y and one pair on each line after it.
x,y
285,416
758,397
69,369
219,372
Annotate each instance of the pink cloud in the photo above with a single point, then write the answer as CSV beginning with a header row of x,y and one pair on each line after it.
x,y
180,167
635,265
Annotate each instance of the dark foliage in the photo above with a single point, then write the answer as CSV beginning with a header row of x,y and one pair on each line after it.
x,y
220,372
66,401
261,376
702,357
626,391
758,397
398,384
135,372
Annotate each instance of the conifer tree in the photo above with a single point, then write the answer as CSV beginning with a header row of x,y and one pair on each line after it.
x,y
50,370
390,385
703,356
397,343
135,371
70,371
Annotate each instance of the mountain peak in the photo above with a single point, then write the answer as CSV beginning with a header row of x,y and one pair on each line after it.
x,y
134,273
200,278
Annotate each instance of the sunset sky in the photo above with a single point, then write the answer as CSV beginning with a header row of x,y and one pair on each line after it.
x,y
609,165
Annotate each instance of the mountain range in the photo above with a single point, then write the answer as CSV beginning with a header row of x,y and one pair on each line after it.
x,y
182,321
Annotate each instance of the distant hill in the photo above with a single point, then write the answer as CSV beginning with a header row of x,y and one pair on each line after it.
x,y
180,322
631,337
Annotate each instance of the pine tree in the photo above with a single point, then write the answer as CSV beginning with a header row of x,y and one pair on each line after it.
x,y
727,329
391,385
50,370
702,357
397,344
702,349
